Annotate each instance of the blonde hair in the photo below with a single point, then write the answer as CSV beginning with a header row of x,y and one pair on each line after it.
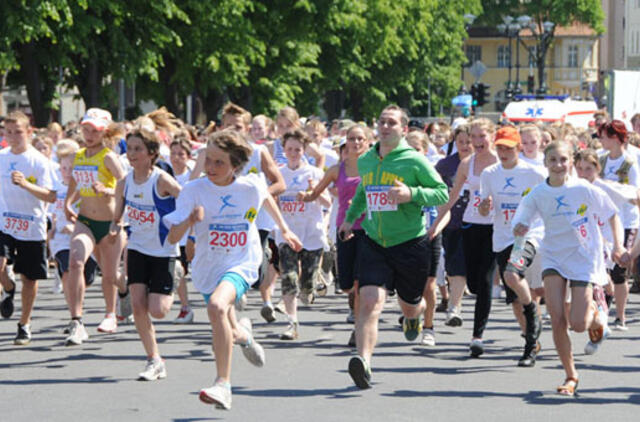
x,y
291,115
18,117
420,137
231,109
588,155
530,128
556,146
112,135
65,148
483,123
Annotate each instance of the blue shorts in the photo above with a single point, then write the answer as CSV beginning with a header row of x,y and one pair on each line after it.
x,y
239,283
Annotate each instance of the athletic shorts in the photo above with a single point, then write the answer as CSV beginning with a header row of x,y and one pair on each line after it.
x,y
348,253
238,282
435,248
401,267
299,271
572,283
154,272
29,256
454,263
62,265
619,274
502,259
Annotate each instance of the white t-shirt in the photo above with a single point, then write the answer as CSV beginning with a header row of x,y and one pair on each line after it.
x,y
227,239
254,166
24,215
60,240
305,219
145,209
182,180
572,244
471,187
538,161
630,216
507,187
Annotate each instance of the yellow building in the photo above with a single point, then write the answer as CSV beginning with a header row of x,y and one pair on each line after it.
x,y
571,62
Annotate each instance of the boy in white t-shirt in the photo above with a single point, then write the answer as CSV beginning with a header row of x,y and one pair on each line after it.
x,y
222,208
26,185
503,185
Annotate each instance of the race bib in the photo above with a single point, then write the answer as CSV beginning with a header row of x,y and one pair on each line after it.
x,y
18,225
85,177
508,211
140,215
227,238
582,230
289,205
476,199
378,198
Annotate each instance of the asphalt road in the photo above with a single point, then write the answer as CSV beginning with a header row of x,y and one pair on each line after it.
x,y
307,379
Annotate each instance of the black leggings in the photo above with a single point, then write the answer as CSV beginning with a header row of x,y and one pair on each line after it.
x,y
481,263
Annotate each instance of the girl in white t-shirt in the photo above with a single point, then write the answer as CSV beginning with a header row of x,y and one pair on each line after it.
x,y
222,209
571,250
299,270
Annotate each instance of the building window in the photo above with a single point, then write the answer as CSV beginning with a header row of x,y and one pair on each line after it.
x,y
504,56
573,56
474,54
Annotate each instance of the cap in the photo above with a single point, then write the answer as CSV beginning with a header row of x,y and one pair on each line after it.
x,y
507,136
97,117
416,123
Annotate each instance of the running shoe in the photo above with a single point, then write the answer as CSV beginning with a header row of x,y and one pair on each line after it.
x,y
528,359
443,305
153,370
6,305
56,289
337,290
219,395
252,350
412,328
280,307
23,337
618,325
476,347
351,318
124,306
184,317
428,337
453,319
242,303
322,288
108,324
268,313
352,339
360,372
77,333
291,333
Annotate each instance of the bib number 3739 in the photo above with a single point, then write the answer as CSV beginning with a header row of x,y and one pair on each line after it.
x,y
378,198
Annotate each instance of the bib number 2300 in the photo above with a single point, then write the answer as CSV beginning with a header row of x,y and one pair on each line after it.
x,y
226,237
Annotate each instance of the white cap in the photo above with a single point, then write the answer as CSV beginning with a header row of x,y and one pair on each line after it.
x,y
97,117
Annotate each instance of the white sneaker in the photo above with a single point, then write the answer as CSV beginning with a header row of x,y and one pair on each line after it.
x,y
453,319
184,317
56,289
428,337
291,333
242,303
153,370
108,324
219,395
252,350
77,333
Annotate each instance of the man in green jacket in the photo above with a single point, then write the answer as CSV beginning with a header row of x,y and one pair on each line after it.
x,y
396,183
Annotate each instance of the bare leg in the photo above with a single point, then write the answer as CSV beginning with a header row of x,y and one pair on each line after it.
x,y
429,295
29,292
80,248
555,291
371,300
218,309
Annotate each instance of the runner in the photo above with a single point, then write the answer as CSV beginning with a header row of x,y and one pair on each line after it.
x,y
148,194
222,209
571,250
299,270
346,178
26,185
286,121
96,170
396,183
502,186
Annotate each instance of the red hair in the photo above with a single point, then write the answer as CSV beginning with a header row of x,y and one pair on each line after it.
x,y
614,129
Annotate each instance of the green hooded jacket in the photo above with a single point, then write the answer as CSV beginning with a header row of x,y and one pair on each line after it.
x,y
390,224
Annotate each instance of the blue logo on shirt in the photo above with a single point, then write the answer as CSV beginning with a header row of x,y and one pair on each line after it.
x,y
12,166
296,181
559,202
225,203
508,183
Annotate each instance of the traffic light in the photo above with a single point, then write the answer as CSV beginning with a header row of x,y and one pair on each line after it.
x,y
482,94
474,94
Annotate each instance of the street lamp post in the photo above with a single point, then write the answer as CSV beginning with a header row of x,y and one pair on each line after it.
x,y
511,29
468,21
544,37
523,22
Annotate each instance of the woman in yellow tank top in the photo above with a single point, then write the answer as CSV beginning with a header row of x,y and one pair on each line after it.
x,y
96,171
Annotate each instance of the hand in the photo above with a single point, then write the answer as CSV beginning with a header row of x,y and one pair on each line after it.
x,y
17,178
621,257
196,215
114,231
520,230
68,229
292,240
431,232
312,185
399,193
485,204
70,214
344,232
303,196
99,188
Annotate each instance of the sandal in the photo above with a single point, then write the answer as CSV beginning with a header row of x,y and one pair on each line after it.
x,y
596,334
569,387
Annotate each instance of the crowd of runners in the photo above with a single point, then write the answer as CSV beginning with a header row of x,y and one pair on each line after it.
x,y
547,213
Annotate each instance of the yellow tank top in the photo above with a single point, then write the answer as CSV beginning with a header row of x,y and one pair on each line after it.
x,y
87,170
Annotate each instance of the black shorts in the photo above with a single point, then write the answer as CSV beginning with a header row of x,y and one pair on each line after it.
x,y
62,265
435,248
401,267
454,263
155,272
502,259
183,260
29,256
348,253
619,274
